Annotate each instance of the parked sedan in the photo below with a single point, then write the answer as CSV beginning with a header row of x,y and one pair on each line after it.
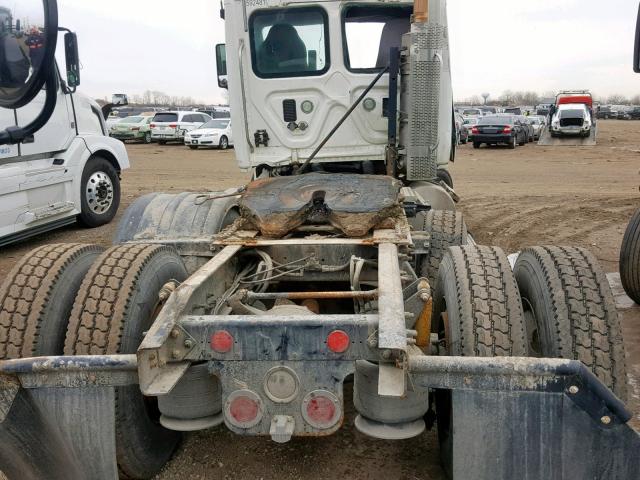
x,y
499,130
172,126
462,133
524,121
214,133
133,128
538,125
469,123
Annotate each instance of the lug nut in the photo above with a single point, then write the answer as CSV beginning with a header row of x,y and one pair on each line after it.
x,y
573,389
606,420
175,333
188,343
175,354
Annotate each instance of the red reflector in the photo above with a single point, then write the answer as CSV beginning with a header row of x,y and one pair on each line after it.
x,y
222,341
321,410
338,341
244,409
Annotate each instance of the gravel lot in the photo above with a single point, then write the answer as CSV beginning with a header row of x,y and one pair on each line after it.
x,y
533,195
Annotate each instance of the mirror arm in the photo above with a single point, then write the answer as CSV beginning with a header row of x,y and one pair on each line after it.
x,y
13,135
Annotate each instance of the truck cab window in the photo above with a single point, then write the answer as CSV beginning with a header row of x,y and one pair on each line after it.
x,y
370,32
289,42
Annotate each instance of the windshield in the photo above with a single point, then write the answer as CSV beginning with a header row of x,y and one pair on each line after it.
x,y
289,42
472,111
572,113
165,117
131,120
370,32
216,124
493,120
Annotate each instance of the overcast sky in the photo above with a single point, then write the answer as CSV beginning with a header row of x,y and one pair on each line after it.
x,y
130,46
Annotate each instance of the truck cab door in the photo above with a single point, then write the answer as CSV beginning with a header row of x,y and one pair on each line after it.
x,y
46,191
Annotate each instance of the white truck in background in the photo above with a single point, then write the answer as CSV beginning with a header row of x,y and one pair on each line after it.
x,y
69,171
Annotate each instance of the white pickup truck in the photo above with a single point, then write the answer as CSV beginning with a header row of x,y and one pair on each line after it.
x,y
69,170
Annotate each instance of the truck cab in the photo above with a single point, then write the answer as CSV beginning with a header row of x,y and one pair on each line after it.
x,y
68,171
294,69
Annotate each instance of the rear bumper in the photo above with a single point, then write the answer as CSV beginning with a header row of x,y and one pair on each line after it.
x,y
488,138
538,418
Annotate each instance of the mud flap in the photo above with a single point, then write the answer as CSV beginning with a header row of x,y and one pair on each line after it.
x,y
538,435
60,433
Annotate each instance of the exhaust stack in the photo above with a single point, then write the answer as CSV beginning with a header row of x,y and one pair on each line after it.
x,y
426,99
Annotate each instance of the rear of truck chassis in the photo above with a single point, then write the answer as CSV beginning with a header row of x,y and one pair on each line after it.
x,y
254,308
262,336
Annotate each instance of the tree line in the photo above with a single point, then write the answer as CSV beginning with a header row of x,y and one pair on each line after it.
x,y
509,97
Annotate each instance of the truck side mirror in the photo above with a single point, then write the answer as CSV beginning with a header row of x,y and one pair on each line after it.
x,y
72,59
27,55
636,53
221,65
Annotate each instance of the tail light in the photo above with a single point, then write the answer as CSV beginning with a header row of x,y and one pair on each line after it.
x,y
475,130
173,125
244,409
507,129
321,409
135,129
338,341
222,341
153,125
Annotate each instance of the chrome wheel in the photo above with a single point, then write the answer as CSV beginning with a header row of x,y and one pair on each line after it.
x,y
224,143
99,192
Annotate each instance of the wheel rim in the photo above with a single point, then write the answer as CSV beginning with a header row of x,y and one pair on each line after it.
x,y
223,143
147,138
99,192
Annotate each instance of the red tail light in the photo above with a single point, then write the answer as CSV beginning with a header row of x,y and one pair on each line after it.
x,y
338,341
475,130
153,125
321,409
507,129
173,125
222,341
244,409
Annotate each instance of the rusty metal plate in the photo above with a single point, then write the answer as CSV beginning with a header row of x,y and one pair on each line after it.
x,y
355,204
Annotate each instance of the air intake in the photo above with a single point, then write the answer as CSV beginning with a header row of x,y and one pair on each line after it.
x,y
289,110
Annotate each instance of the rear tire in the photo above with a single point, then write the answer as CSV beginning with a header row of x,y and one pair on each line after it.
x,y
512,144
162,142
478,313
476,144
147,138
193,147
571,312
37,296
630,258
224,143
446,229
115,306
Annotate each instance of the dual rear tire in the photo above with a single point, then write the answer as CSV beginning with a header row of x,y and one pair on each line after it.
x,y
75,299
556,303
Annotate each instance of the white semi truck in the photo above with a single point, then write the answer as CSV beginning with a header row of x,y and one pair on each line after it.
x,y
67,171
343,258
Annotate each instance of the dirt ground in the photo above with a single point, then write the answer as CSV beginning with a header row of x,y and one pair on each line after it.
x,y
534,195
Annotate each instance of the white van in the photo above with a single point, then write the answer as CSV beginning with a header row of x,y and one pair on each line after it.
x,y
172,126
69,170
